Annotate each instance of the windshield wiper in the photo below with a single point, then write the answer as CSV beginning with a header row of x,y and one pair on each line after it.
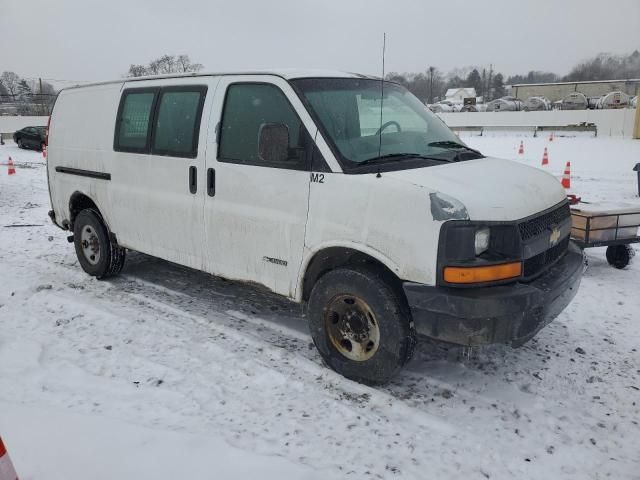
x,y
450,144
390,156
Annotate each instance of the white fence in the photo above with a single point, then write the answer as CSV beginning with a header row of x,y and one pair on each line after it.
x,y
616,123
10,124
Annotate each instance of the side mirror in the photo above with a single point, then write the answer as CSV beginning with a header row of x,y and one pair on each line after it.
x,y
273,142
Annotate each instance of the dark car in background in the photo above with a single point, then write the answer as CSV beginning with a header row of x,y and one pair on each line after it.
x,y
31,137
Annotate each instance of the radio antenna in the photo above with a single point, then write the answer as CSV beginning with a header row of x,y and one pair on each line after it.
x,y
384,45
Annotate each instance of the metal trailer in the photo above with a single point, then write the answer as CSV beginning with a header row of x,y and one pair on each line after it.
x,y
575,101
593,102
535,104
614,229
614,100
440,108
505,104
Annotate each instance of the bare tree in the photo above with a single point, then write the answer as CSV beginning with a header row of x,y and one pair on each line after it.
x,y
397,78
137,70
24,97
185,65
533,77
164,65
45,97
10,81
426,85
607,67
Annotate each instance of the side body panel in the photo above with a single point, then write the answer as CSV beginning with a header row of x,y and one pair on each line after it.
x,y
385,218
147,202
151,205
81,137
255,223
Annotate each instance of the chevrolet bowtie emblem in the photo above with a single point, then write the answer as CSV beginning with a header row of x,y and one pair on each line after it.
x,y
554,236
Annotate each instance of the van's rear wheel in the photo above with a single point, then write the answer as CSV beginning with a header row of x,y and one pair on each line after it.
x,y
360,325
97,252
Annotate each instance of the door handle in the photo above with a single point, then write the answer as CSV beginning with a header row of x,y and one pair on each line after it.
x,y
193,179
211,182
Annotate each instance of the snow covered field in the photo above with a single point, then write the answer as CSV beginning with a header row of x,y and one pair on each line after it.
x,y
168,373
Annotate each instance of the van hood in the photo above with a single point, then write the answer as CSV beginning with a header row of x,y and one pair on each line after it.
x,y
491,189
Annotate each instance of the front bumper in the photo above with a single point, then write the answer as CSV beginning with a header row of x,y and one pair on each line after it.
x,y
510,314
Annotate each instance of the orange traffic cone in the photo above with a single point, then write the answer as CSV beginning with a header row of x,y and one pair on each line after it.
x,y
551,137
521,149
7,472
44,151
545,157
566,178
12,168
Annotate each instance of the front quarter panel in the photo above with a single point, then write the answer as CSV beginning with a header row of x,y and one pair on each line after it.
x,y
380,216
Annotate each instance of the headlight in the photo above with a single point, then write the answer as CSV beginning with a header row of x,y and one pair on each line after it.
x,y
483,235
467,247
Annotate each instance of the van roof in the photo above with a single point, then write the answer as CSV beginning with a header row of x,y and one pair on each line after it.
x,y
286,73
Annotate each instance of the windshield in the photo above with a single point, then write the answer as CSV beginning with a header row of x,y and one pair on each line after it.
x,y
348,110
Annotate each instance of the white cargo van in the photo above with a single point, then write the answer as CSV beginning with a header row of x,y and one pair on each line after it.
x,y
335,190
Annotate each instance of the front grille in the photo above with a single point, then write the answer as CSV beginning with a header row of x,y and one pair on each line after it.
x,y
535,226
540,262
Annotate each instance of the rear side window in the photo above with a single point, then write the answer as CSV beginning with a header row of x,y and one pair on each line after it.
x,y
134,115
249,106
160,121
177,123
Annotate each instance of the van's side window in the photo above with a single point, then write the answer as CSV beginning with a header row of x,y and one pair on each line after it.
x,y
248,109
132,127
177,121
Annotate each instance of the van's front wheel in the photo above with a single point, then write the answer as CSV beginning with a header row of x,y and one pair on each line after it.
x,y
360,326
97,253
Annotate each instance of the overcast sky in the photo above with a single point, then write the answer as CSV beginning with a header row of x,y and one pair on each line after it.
x,y
93,40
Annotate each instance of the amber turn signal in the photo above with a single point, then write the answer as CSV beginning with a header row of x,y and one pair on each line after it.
x,y
489,273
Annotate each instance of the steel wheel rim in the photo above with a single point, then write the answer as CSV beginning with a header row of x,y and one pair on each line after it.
x,y
90,244
352,327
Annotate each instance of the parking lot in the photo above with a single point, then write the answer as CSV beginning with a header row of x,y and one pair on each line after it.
x,y
163,355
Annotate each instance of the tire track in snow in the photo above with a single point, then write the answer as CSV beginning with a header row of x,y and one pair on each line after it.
x,y
305,392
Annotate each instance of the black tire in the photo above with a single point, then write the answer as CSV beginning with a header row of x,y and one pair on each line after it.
x,y
396,333
20,144
619,256
108,257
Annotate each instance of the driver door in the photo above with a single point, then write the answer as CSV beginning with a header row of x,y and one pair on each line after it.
x,y
257,203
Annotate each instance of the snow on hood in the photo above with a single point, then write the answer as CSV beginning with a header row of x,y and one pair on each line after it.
x,y
490,188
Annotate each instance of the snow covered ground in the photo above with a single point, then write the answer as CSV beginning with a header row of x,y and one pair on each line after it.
x,y
168,373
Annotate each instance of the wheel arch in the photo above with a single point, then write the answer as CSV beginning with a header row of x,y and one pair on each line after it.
x,y
78,202
330,257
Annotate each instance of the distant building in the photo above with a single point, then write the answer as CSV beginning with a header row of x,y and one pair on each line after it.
x,y
560,90
457,95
